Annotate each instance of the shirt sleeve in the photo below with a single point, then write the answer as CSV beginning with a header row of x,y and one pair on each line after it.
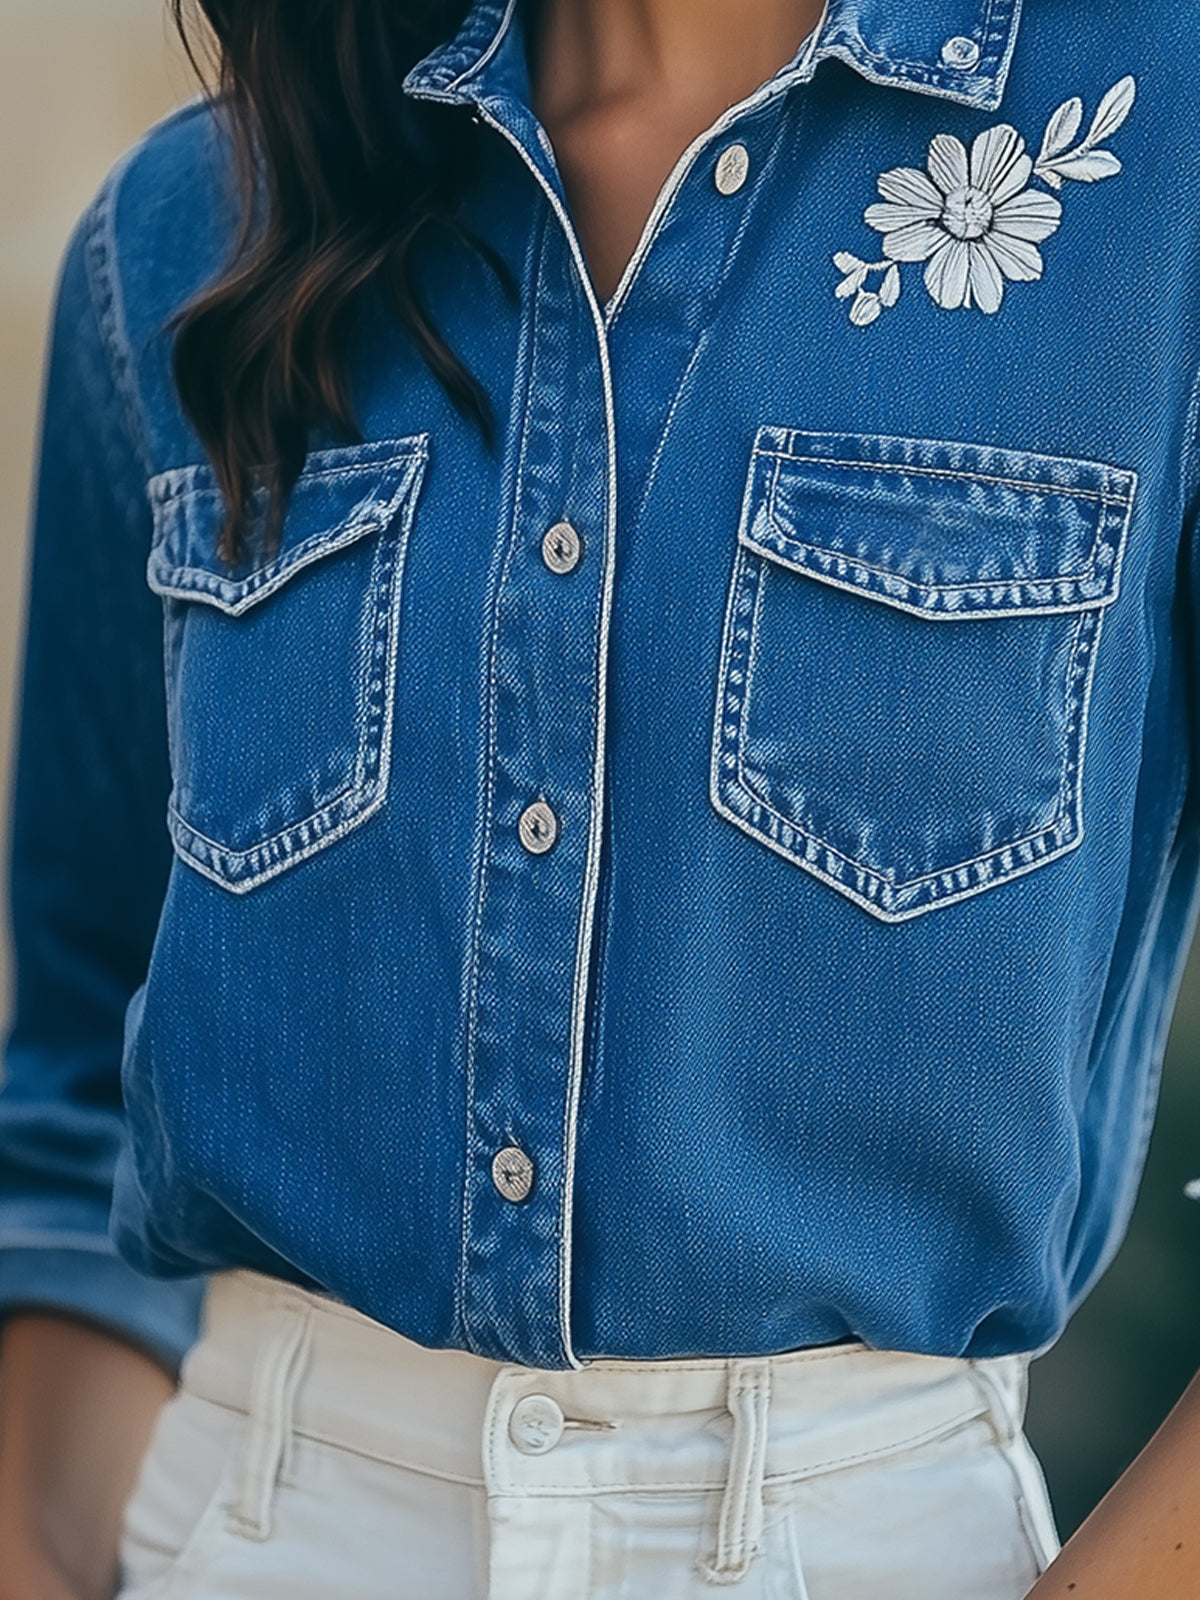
x,y
89,848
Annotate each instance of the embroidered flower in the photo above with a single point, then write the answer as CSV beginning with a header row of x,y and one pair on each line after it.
x,y
973,218
974,222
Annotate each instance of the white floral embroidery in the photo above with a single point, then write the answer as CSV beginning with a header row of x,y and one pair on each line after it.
x,y
868,303
974,222
973,218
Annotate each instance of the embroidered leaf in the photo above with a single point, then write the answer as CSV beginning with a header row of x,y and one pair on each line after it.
x,y
865,309
853,283
1111,112
845,262
889,289
1062,128
1087,167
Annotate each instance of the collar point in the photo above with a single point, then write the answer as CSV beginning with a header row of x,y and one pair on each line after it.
x,y
982,93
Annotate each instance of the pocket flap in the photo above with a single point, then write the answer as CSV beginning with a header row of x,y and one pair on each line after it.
x,y
342,495
942,530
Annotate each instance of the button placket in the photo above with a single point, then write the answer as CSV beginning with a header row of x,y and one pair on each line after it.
x,y
544,736
537,878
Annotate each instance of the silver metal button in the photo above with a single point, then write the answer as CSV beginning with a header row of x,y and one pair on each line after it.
x,y
536,1424
538,828
512,1173
562,548
733,164
960,52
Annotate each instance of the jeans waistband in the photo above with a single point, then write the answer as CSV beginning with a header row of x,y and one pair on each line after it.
x,y
615,1425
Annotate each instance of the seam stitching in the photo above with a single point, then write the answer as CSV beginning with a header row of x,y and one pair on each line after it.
x,y
1033,485
104,289
483,864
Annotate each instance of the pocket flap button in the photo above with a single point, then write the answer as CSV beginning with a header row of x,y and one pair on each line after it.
x,y
960,52
562,549
536,1425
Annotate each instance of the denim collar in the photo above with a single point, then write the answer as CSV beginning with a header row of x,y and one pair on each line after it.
x,y
954,49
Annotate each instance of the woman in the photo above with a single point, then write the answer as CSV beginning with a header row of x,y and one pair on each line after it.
x,y
672,529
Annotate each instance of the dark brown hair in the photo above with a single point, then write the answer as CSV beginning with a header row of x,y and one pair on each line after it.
x,y
338,173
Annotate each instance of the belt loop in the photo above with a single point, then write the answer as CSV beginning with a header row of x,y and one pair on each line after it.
x,y
279,1365
741,1518
1004,1381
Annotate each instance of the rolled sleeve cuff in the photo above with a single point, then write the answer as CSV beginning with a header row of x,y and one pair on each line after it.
x,y
160,1315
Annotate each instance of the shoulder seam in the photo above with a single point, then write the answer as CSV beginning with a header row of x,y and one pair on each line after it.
x,y
100,259
104,288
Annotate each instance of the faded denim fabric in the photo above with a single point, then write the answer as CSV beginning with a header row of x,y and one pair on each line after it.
x,y
862,730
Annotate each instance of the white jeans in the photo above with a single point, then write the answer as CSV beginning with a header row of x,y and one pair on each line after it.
x,y
314,1455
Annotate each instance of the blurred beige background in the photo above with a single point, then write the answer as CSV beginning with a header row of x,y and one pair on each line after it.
x,y
79,81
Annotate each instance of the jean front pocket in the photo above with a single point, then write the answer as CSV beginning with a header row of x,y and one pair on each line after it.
x,y
909,648
280,672
176,1519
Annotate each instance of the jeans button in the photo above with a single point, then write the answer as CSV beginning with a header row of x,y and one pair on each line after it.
x,y
536,1425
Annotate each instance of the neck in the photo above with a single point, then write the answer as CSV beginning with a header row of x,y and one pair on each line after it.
x,y
609,51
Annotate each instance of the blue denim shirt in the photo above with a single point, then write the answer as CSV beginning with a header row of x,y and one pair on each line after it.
x,y
711,875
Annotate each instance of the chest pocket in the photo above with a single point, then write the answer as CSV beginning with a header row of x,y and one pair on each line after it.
x,y
908,655
281,672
